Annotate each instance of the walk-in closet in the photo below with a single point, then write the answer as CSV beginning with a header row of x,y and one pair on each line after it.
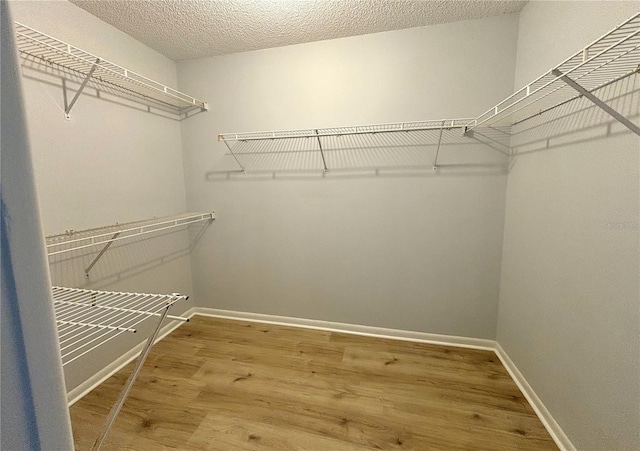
x,y
320,225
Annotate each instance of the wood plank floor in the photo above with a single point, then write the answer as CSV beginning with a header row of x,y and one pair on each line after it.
x,y
218,384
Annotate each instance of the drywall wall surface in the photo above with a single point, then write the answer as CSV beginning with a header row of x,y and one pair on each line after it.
x,y
114,161
381,239
30,367
569,312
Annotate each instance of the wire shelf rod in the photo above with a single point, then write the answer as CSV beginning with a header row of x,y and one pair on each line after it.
x,y
50,49
88,314
102,318
99,326
616,48
97,239
95,236
393,127
565,87
89,318
123,309
122,323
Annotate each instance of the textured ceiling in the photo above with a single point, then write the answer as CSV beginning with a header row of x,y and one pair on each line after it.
x,y
184,29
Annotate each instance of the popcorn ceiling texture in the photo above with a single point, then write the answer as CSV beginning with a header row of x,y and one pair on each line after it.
x,y
192,29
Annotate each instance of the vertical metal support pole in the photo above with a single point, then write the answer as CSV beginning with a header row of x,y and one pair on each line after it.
x,y
104,249
435,161
617,116
129,384
67,110
234,157
324,163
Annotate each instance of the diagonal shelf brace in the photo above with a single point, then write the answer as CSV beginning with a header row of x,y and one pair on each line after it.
x,y
435,160
234,157
67,110
115,410
324,163
599,103
104,249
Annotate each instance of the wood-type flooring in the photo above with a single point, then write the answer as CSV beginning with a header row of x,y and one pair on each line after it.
x,y
217,384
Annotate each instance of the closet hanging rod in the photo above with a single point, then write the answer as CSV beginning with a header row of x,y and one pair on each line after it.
x,y
610,58
97,237
52,51
393,127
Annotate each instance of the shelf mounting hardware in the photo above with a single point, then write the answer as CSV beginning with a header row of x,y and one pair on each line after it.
x,y
435,160
87,319
37,48
104,249
599,103
132,378
234,157
324,163
67,109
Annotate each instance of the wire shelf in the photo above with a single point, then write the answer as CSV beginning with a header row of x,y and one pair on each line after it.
x,y
350,130
88,319
43,48
75,240
393,145
609,59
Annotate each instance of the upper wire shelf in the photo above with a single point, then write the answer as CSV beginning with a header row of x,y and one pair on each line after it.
x,y
408,145
350,130
87,319
43,48
609,59
74,240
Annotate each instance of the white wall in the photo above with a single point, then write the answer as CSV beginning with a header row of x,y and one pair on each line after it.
x,y
569,312
30,368
415,251
112,162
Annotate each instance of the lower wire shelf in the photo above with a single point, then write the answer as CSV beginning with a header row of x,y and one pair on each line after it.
x,y
87,319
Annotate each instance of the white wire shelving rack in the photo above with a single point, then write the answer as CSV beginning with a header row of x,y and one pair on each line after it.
x,y
609,59
324,140
38,47
104,237
87,319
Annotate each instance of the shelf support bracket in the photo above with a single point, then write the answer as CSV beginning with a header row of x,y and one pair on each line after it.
x,y
67,109
435,161
234,157
599,103
324,163
127,387
104,249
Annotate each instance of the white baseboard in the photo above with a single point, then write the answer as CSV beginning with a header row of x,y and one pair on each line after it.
x,y
81,390
356,329
554,429
552,426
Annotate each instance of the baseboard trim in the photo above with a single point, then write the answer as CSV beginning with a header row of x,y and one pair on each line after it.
x,y
356,329
552,426
81,390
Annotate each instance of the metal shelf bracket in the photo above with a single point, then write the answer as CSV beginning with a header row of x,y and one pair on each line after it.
x,y
324,162
67,109
38,48
235,158
104,249
599,103
435,160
